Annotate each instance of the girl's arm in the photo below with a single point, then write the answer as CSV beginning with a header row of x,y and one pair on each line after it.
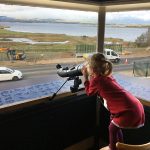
x,y
91,87
90,84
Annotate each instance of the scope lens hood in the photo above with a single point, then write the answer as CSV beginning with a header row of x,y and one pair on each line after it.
x,y
72,72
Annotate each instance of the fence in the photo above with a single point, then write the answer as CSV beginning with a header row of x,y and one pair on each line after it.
x,y
3,56
34,56
84,48
115,47
87,48
141,69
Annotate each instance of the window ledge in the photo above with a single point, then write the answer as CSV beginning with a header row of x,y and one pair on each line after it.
x,y
32,93
138,86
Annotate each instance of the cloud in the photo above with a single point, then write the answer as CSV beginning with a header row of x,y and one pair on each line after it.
x,y
26,12
142,15
23,12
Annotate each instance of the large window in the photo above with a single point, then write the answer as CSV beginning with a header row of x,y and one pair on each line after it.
x,y
33,40
128,33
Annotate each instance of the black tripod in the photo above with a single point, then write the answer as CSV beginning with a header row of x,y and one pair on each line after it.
x,y
73,88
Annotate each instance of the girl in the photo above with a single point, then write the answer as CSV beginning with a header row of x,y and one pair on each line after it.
x,y
126,110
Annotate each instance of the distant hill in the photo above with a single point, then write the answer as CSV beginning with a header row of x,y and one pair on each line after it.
x,y
9,19
5,19
115,21
34,20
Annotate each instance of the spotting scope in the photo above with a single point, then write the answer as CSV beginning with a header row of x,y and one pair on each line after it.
x,y
69,72
72,73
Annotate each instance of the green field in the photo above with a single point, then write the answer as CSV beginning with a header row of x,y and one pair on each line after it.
x,y
36,52
73,40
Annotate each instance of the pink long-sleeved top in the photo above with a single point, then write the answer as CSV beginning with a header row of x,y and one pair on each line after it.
x,y
126,109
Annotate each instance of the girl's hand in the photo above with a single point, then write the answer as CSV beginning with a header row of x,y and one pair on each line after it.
x,y
85,72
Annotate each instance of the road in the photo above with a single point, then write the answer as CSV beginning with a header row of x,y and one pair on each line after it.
x,y
44,73
32,75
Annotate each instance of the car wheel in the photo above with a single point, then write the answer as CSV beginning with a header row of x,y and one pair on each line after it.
x,y
117,60
15,78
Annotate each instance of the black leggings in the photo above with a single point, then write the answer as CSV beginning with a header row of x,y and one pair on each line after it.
x,y
115,135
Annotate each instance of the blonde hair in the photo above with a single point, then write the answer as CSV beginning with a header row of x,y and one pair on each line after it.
x,y
100,64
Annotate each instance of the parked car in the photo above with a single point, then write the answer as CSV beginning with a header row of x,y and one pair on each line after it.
x,y
10,74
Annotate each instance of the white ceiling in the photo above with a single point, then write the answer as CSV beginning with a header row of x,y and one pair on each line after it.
x,y
79,6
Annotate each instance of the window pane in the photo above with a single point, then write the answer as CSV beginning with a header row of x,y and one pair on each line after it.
x,y
128,34
108,53
34,40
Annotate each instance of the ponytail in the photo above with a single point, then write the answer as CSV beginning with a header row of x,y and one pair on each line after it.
x,y
107,70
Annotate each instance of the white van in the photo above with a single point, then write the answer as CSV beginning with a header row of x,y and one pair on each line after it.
x,y
109,54
112,55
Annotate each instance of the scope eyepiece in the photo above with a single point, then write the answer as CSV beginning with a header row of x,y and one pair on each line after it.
x,y
58,66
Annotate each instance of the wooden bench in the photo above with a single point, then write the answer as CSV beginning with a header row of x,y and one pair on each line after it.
x,y
122,146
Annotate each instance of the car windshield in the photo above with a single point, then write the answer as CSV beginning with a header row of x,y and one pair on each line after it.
x,y
10,70
113,53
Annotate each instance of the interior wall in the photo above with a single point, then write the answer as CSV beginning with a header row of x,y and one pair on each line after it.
x,y
51,125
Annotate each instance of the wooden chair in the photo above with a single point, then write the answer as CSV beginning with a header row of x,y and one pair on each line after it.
x,y
122,146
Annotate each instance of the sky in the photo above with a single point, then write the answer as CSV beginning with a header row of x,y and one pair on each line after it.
x,y
26,12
